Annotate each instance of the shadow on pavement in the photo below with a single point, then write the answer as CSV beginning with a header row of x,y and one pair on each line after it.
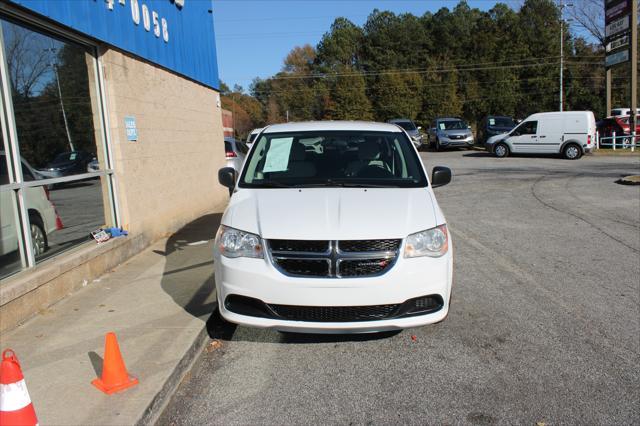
x,y
188,273
478,154
96,362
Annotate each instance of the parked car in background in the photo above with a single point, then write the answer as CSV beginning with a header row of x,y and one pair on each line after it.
x,y
251,138
412,130
570,133
622,111
493,125
43,218
93,166
618,124
296,252
67,163
234,152
625,123
450,132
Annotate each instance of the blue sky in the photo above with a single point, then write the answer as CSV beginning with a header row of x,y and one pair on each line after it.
x,y
254,36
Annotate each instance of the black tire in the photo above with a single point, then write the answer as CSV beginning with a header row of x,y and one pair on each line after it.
x,y
39,242
572,151
501,150
438,147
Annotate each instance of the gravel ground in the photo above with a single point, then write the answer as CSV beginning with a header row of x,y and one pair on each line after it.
x,y
544,324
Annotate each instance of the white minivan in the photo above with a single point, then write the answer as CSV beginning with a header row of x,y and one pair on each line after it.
x,y
569,133
333,227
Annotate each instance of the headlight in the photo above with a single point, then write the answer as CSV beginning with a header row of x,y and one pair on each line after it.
x,y
235,243
433,242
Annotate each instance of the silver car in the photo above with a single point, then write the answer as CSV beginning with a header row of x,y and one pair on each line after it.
x,y
412,130
234,152
450,132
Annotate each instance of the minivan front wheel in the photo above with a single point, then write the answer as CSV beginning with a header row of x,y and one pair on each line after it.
x,y
501,150
572,152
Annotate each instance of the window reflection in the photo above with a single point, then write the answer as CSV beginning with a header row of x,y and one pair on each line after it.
x,y
9,253
52,102
76,210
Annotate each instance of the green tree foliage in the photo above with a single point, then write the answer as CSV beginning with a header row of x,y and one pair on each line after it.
x,y
461,62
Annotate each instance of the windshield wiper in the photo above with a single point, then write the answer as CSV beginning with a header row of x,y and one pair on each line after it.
x,y
272,184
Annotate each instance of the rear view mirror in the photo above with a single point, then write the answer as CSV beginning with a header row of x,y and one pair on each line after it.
x,y
440,176
419,127
227,177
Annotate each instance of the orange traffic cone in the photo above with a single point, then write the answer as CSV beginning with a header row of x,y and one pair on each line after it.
x,y
114,374
15,404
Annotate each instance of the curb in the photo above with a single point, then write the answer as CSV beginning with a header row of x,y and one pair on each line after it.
x,y
162,398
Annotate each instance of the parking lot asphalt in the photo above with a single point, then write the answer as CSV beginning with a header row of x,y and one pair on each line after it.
x,y
544,325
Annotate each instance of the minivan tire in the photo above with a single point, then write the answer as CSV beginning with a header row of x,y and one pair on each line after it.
x,y
501,150
38,235
572,151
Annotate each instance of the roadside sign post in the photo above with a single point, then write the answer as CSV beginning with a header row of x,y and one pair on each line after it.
x,y
621,46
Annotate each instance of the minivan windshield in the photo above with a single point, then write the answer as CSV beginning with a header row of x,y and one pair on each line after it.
x,y
333,159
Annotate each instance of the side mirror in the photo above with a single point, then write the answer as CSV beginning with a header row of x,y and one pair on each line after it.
x,y
419,127
227,177
440,176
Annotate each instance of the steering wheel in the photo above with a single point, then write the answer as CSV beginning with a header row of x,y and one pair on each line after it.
x,y
375,172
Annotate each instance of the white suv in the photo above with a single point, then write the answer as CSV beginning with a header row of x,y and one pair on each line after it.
x,y
43,218
333,227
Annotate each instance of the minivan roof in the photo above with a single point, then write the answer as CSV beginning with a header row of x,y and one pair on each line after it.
x,y
333,126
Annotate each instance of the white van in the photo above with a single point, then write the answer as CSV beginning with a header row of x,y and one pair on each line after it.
x,y
570,133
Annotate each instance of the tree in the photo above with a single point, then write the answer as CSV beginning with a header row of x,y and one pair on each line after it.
x,y
349,100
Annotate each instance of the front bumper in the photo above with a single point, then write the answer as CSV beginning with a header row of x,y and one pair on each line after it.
x,y
408,279
445,141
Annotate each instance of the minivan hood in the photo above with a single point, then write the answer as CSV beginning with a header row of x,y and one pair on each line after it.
x,y
331,213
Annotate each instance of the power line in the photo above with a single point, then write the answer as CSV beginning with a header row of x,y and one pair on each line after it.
x,y
418,71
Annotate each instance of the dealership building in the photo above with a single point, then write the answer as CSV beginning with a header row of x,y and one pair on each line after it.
x,y
111,117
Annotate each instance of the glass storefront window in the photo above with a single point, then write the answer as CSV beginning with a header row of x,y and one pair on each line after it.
x,y
51,101
63,191
76,210
9,254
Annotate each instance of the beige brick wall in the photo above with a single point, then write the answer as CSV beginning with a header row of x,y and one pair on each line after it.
x,y
169,176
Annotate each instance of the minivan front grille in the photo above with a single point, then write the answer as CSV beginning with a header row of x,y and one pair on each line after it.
x,y
334,259
334,313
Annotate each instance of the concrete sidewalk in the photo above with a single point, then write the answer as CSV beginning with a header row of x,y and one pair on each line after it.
x,y
157,303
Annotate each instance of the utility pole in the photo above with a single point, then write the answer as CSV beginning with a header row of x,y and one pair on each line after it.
x,y
562,6
54,65
608,85
633,117
561,53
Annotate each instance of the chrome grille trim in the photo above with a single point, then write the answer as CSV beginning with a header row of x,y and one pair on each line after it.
x,y
334,257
